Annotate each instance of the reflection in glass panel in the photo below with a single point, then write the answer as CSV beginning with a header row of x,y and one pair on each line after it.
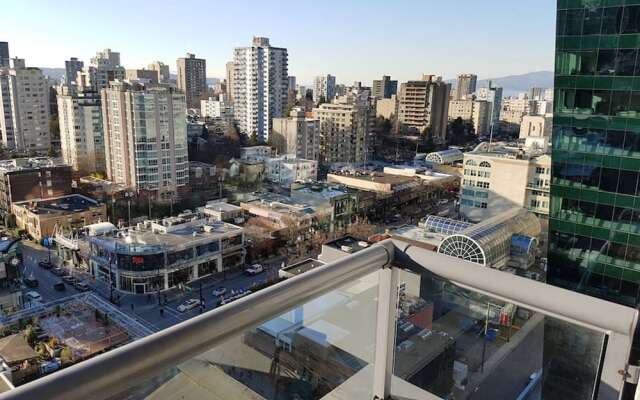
x,y
459,344
322,348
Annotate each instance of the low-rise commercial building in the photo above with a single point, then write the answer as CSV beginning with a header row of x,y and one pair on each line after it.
x,y
158,255
219,210
32,178
497,180
40,218
287,169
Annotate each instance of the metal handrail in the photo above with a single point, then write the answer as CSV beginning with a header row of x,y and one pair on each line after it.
x,y
114,372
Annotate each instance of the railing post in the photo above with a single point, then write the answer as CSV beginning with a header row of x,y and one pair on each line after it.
x,y
386,332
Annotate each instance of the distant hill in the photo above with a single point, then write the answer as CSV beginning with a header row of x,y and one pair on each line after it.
x,y
53,73
514,84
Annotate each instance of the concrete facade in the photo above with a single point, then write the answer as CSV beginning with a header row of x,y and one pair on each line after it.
x,y
260,87
424,105
81,130
24,108
495,182
536,126
466,86
297,134
192,79
146,139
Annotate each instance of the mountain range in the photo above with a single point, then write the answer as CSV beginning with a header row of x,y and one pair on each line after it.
x,y
511,84
514,84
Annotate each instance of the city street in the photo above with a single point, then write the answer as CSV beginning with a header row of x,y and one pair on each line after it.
x,y
145,308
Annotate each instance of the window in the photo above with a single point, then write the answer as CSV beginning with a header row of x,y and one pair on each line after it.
x,y
471,163
485,164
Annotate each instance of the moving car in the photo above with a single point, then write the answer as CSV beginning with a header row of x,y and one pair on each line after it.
x,y
219,291
255,269
33,296
60,286
45,264
58,271
31,282
81,286
188,305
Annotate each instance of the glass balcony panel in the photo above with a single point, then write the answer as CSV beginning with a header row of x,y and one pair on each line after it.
x,y
312,351
455,343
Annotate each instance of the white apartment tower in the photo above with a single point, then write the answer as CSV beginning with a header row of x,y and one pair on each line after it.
x,y
192,79
81,131
104,68
24,108
260,86
324,88
146,139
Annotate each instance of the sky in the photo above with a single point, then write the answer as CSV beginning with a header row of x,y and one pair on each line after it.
x,y
355,40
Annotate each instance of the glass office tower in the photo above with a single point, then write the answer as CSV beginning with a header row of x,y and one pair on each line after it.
x,y
594,242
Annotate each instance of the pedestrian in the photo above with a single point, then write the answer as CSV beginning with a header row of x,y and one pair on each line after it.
x,y
162,312
131,306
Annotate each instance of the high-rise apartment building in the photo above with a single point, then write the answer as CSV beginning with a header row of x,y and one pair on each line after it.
x,y
536,93
466,86
24,104
81,130
145,135
512,110
104,68
71,69
384,88
297,134
192,79
230,67
260,86
163,71
423,106
4,54
345,130
594,239
472,111
492,94
324,89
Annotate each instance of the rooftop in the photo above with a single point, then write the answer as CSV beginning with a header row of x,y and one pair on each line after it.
x,y
59,205
172,232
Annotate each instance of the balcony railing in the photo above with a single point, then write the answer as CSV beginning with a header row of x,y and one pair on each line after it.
x,y
390,320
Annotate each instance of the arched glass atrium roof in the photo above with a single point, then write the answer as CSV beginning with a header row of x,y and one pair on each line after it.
x,y
445,156
447,226
491,237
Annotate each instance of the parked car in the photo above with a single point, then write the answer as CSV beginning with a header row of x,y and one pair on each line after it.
x,y
49,366
69,279
81,286
31,282
60,286
33,296
233,297
45,264
188,305
219,291
58,271
255,269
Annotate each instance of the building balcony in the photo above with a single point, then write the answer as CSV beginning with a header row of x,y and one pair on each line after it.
x,y
391,321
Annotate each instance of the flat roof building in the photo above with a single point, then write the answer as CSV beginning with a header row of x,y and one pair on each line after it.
x,y
41,217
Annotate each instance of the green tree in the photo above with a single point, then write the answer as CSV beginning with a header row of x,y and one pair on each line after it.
x,y
66,357
253,139
30,334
